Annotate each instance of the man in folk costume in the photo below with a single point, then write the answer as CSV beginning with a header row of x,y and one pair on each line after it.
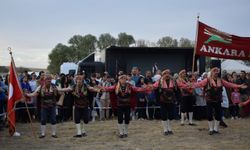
x,y
187,97
213,95
48,93
123,92
81,101
166,87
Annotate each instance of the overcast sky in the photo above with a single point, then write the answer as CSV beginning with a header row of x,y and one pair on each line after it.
x,y
33,27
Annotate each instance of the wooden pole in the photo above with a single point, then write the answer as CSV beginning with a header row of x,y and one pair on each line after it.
x,y
31,124
197,29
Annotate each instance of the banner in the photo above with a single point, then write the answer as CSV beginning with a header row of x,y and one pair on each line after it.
x,y
15,94
214,43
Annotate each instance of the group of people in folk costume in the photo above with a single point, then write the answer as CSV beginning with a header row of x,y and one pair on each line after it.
x,y
124,93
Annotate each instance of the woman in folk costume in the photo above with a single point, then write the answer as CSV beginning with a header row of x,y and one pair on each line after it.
x,y
124,94
81,101
213,95
166,87
48,94
187,97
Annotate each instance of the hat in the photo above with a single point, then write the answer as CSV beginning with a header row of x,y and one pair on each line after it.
x,y
62,74
122,76
204,74
165,71
182,71
215,70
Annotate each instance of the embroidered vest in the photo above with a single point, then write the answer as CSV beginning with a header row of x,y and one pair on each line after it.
x,y
167,94
48,98
124,96
214,92
81,96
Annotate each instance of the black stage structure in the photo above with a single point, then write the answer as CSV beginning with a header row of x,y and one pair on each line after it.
x,y
124,58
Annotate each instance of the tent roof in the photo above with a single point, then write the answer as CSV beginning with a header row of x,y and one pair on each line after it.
x,y
233,65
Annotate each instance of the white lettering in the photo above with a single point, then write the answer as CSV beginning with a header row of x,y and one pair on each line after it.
x,y
233,52
226,52
218,51
242,54
210,49
203,48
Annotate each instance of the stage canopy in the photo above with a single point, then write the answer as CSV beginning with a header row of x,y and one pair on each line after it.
x,y
233,65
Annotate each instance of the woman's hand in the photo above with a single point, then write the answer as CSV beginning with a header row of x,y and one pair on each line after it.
x,y
243,86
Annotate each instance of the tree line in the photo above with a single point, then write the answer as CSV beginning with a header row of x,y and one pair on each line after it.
x,y
5,69
79,46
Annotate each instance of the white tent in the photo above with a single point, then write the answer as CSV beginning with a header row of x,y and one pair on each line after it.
x,y
66,67
233,65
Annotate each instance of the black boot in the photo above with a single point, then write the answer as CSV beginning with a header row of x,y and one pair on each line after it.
x,y
223,124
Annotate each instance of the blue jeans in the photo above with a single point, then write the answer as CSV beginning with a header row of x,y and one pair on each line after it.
x,y
48,113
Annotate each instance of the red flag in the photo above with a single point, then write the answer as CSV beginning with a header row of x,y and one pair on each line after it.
x,y
15,94
214,43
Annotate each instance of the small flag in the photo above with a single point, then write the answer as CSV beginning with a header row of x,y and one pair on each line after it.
x,y
15,94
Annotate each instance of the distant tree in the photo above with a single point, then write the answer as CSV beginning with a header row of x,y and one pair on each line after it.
x,y
141,43
22,69
90,42
167,41
125,40
152,44
83,45
4,69
175,43
76,42
105,40
184,42
61,53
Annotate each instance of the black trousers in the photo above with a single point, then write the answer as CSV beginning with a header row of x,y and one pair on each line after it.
x,y
187,103
123,113
234,110
200,112
214,108
167,111
142,111
81,113
48,113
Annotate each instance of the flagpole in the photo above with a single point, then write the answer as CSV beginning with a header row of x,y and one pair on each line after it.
x,y
31,124
194,53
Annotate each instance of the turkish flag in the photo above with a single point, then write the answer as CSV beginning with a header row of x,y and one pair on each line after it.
x,y
15,94
214,43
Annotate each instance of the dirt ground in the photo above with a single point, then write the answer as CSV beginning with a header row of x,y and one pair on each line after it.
x,y
143,134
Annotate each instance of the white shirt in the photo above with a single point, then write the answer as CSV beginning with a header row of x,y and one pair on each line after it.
x,y
156,77
33,85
